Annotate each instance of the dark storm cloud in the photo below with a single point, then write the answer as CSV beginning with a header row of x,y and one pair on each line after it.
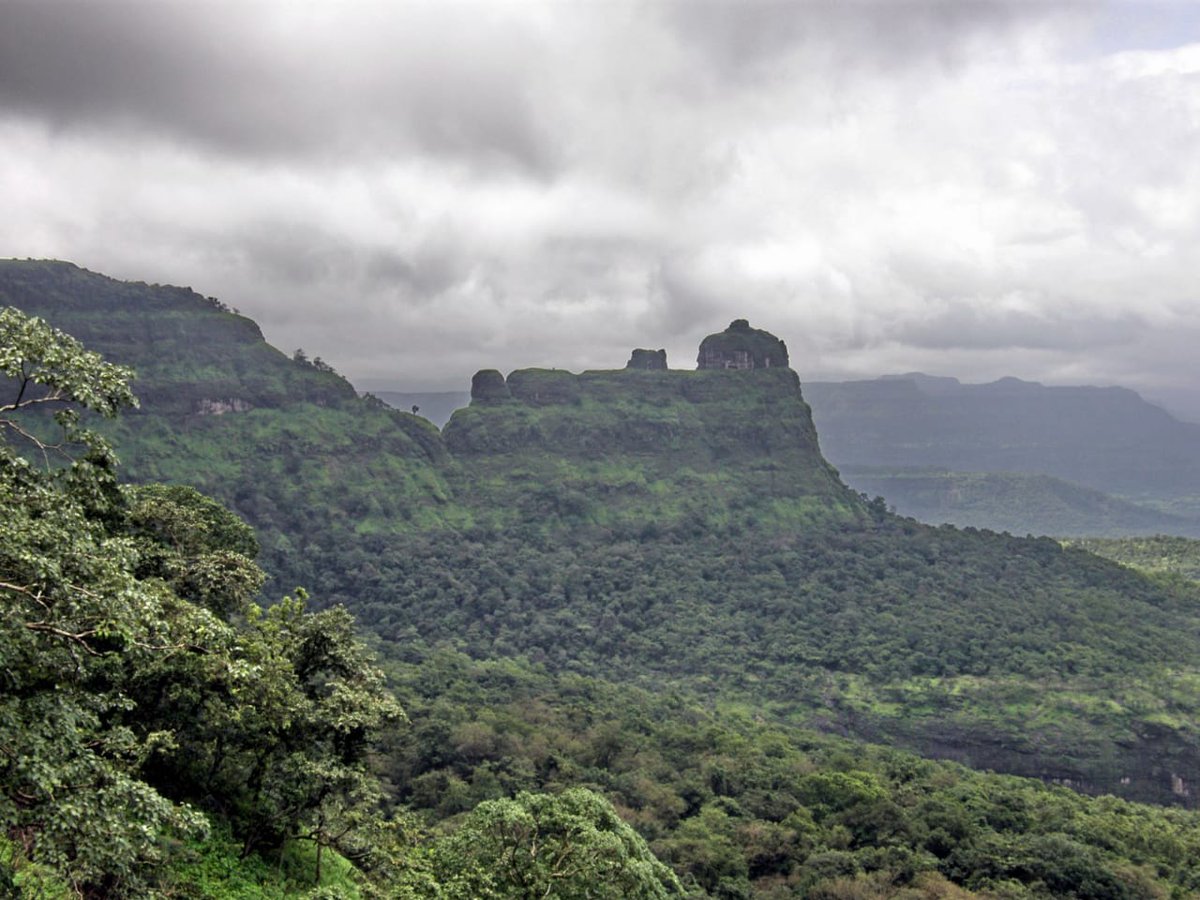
x,y
291,255
747,39
246,78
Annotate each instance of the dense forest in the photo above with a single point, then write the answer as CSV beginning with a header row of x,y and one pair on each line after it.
x,y
615,634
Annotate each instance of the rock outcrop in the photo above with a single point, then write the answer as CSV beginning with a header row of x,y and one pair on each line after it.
x,y
647,359
544,387
489,384
741,347
209,407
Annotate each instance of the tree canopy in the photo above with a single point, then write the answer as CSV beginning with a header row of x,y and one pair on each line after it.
x,y
140,685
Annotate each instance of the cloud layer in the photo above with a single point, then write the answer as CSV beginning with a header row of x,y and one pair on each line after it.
x,y
417,191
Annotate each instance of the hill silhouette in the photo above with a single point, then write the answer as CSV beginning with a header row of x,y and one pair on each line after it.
x,y
889,433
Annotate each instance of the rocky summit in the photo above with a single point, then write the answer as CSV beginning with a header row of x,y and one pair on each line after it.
x,y
741,347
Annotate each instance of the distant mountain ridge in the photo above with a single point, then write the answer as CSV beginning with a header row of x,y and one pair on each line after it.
x,y
1107,439
1020,503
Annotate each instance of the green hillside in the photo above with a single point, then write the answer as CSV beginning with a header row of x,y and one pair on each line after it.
x,y
284,442
679,531
1158,554
229,752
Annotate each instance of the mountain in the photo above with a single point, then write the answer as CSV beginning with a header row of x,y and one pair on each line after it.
x,y
637,448
286,443
1016,502
678,531
1105,439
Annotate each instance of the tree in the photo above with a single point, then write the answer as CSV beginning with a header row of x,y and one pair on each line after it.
x,y
283,743
74,616
137,676
563,846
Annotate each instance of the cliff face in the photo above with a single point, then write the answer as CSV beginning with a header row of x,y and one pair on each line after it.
x,y
193,355
655,445
651,445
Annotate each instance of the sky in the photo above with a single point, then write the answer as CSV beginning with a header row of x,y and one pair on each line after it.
x,y
416,190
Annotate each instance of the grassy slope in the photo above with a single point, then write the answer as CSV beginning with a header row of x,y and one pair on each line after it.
x,y
678,529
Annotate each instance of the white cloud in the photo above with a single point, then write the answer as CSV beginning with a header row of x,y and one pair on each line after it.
x,y
414,192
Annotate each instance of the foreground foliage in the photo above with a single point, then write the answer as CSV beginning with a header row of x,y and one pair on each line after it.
x,y
146,696
141,685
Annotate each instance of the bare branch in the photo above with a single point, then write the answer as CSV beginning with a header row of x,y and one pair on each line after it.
x,y
53,397
76,638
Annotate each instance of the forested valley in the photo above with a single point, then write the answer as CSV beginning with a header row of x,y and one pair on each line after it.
x,y
623,634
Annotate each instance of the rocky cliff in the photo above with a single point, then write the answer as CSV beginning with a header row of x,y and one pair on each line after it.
x,y
741,347
650,445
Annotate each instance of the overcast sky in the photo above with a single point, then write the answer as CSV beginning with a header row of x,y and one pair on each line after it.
x,y
414,191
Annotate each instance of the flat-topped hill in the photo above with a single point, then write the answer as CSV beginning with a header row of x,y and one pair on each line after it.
x,y
649,445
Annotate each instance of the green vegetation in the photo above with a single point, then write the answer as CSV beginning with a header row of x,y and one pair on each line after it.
x,y
739,807
142,688
983,647
640,448
1158,554
619,609
284,442
680,529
